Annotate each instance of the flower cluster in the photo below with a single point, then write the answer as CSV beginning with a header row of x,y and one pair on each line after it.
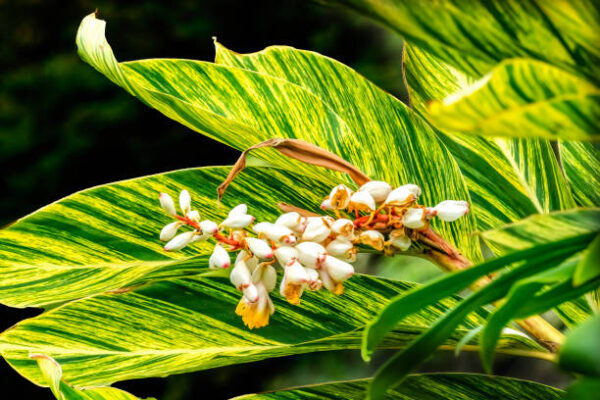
x,y
313,251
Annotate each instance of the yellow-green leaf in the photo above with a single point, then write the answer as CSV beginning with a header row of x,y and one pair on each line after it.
x,y
332,107
581,162
186,325
106,237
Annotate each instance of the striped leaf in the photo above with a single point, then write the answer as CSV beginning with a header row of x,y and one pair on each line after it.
x,y
186,325
540,229
523,98
432,386
106,237
294,94
473,36
581,163
508,179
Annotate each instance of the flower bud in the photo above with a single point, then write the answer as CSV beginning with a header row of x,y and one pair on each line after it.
x,y
372,238
266,275
311,254
185,201
338,270
340,247
343,227
167,204
451,210
362,201
279,233
399,240
314,283
379,190
250,293
261,227
326,205
340,197
194,216
208,227
259,248
180,241
169,231
237,221
295,273
291,220
403,194
240,209
414,218
316,230
240,275
219,258
285,254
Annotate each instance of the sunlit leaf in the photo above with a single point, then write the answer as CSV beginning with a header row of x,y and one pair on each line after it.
x,y
422,387
106,237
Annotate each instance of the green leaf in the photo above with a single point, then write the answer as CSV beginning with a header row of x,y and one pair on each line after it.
x,y
540,229
408,303
423,387
581,351
523,98
106,237
52,373
589,267
344,114
581,162
508,179
397,367
583,389
473,36
178,326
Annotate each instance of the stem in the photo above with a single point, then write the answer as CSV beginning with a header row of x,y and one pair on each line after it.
x,y
450,260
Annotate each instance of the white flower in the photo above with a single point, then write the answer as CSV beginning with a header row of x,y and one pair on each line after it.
x,y
185,202
316,230
326,205
403,194
362,201
379,190
285,254
167,204
340,197
237,221
276,233
372,238
338,270
291,220
343,227
259,248
180,241
340,247
219,258
240,209
311,254
314,283
414,218
250,293
169,231
240,275
256,314
268,276
194,216
451,210
294,279
399,240
208,227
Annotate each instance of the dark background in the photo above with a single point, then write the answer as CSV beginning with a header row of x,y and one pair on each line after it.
x,y
64,127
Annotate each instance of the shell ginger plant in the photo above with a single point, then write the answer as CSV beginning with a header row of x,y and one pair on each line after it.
x,y
489,172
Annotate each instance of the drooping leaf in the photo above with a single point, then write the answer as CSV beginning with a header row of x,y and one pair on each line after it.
x,y
540,229
526,99
589,266
106,238
186,325
581,351
508,178
473,36
581,162
347,115
422,387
